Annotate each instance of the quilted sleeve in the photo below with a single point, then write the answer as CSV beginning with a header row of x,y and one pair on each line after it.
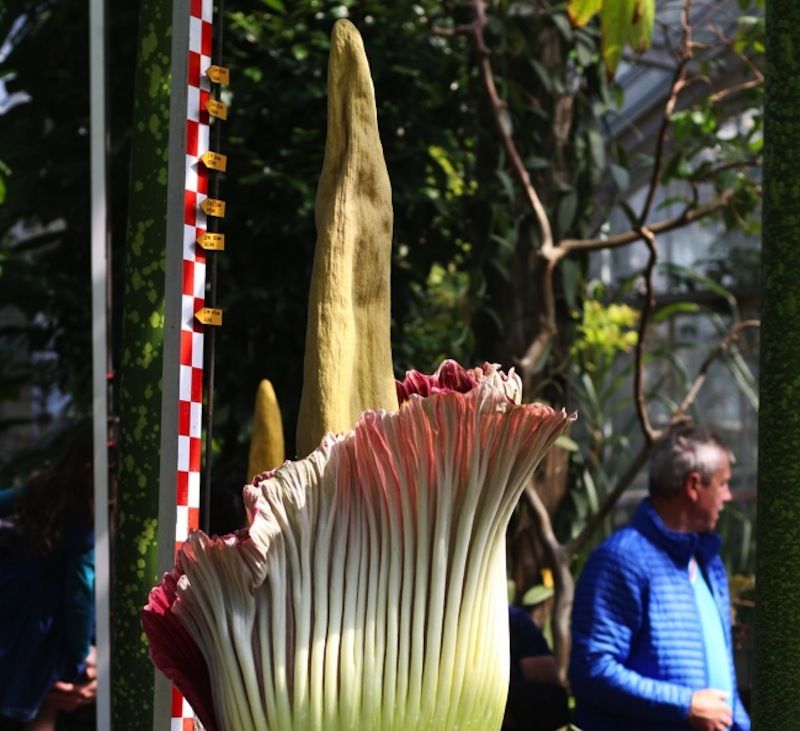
x,y
607,614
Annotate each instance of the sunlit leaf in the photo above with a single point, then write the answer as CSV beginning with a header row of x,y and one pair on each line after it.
x,y
642,29
617,17
582,11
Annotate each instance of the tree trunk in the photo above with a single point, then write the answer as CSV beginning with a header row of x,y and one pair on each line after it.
x,y
777,639
135,560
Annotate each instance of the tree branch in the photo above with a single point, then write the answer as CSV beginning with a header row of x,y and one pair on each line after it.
x,y
547,326
678,84
713,170
474,31
725,93
649,433
690,215
456,30
564,584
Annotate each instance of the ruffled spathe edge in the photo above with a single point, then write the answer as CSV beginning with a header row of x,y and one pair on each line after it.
x,y
350,553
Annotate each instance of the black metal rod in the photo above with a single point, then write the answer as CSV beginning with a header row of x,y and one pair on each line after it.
x,y
212,226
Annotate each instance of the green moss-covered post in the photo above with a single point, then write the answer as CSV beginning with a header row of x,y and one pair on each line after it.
x,y
135,561
777,640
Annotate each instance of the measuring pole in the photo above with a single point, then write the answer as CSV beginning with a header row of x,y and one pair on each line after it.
x,y
187,318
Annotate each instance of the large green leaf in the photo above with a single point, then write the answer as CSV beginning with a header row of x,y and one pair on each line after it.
x,y
743,376
642,29
617,19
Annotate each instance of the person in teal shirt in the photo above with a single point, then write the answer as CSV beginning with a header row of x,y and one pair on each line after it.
x,y
46,584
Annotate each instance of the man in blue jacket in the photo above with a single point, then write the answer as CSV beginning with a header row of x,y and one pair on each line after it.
x,y
651,625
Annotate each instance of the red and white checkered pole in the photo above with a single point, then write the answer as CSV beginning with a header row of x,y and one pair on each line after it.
x,y
186,314
193,273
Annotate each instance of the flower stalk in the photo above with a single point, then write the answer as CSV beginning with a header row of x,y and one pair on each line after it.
x,y
266,442
348,357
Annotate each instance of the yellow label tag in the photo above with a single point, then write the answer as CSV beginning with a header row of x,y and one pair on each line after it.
x,y
219,74
217,109
213,207
209,316
212,242
215,161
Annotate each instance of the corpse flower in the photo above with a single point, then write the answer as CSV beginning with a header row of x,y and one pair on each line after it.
x,y
369,591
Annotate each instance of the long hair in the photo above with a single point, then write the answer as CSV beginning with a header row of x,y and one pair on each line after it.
x,y
61,491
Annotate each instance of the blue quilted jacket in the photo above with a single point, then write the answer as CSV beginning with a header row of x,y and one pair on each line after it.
x,y
637,644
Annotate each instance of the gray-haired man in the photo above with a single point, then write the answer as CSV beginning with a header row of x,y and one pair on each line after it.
x,y
651,623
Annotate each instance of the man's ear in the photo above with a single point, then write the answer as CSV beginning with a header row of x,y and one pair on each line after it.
x,y
692,485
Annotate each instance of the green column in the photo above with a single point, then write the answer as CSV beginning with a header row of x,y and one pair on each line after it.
x,y
135,560
777,639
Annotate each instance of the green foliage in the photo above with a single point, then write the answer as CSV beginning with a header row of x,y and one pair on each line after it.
x,y
437,326
599,387
604,331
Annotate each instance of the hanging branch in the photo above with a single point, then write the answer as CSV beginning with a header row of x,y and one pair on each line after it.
x,y
678,84
527,364
474,32
649,433
564,584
